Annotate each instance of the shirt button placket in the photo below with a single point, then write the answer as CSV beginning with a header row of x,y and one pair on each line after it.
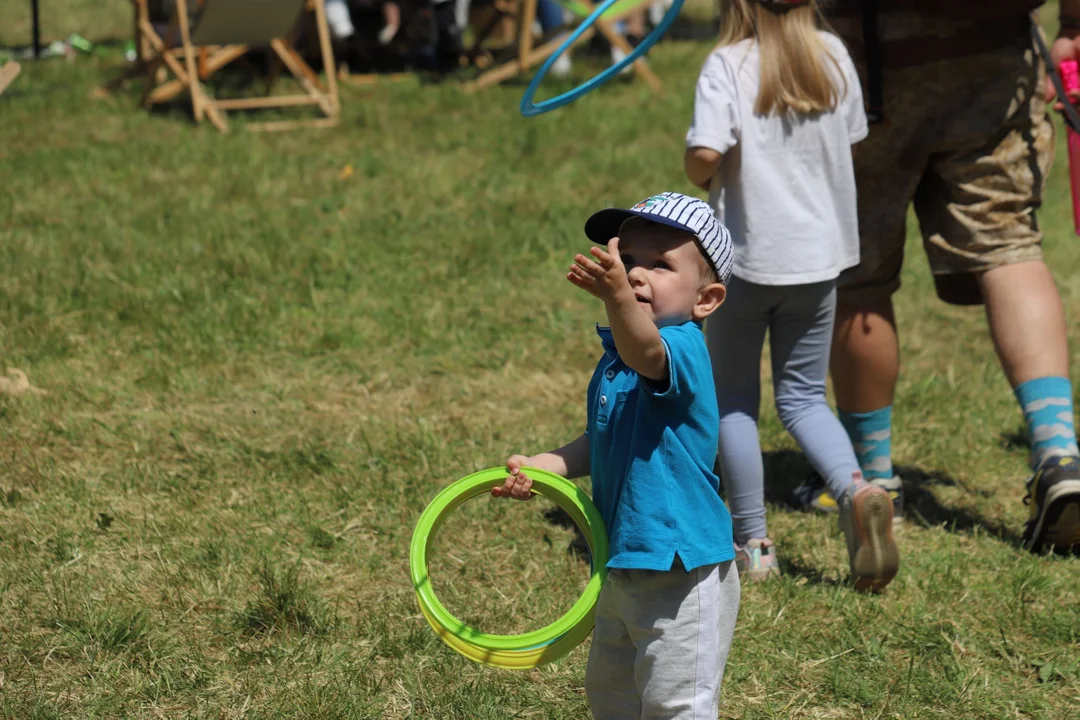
x,y
603,392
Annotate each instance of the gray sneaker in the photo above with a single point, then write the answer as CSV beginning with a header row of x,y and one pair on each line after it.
x,y
895,487
1054,497
867,521
757,560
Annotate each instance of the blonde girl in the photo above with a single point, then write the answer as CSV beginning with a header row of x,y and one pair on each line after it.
x,y
777,109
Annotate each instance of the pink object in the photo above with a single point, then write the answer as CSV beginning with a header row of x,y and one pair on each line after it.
x,y
1070,78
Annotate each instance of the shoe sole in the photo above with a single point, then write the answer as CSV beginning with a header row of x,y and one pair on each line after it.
x,y
890,488
1058,525
877,559
759,573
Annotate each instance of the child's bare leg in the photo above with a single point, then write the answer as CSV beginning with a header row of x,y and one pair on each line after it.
x,y
392,14
633,28
635,24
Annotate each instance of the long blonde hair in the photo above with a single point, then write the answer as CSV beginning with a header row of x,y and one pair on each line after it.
x,y
794,73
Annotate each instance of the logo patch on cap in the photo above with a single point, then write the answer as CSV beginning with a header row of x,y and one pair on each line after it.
x,y
649,202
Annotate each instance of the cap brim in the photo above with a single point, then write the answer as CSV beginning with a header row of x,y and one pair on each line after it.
x,y
604,224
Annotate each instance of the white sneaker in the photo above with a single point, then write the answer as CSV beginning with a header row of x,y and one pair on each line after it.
x,y
387,34
617,56
562,66
657,11
339,20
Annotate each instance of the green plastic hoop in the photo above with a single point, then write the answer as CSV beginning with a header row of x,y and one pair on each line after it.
x,y
517,652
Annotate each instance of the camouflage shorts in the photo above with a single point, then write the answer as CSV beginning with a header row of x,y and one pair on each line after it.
x,y
968,142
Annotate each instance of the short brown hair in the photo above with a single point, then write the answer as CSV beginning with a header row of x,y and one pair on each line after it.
x,y
708,272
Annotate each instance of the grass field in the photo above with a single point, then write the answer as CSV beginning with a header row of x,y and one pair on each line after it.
x,y
263,354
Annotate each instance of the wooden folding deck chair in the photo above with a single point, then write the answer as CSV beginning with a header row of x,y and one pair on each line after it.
x,y
528,57
8,73
192,49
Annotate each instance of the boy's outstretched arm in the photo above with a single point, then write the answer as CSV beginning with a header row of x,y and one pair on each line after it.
x,y
635,334
571,461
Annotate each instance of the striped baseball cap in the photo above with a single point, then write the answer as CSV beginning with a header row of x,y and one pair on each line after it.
x,y
676,210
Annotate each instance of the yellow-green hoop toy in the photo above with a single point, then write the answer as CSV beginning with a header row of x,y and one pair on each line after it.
x,y
513,652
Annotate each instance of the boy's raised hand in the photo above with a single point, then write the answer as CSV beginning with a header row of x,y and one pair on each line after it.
x,y
518,485
605,277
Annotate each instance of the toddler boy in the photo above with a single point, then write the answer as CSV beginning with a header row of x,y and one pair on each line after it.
x,y
666,614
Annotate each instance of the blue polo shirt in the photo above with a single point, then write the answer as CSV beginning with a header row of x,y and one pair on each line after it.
x,y
651,454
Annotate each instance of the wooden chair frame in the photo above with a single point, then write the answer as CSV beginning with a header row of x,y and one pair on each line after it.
x,y
191,65
8,73
528,57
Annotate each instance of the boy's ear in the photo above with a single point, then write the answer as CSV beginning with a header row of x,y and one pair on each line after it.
x,y
709,299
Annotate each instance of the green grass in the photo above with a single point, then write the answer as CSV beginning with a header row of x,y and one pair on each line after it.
x,y
96,20
258,373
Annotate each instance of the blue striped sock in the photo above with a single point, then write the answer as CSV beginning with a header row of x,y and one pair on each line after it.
x,y
1048,410
871,436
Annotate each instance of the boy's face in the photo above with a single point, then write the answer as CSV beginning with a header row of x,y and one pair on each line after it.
x,y
665,270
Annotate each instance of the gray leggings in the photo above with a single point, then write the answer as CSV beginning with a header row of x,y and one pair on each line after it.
x,y
799,319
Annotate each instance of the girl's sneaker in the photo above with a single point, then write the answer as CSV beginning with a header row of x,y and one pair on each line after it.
x,y
757,560
866,517
813,494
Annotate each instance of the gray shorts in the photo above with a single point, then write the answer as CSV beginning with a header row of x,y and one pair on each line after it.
x,y
661,642
966,140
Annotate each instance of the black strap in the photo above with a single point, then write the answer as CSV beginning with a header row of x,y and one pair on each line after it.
x,y
875,83
1072,117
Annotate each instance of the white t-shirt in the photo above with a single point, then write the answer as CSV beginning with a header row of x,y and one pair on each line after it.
x,y
786,184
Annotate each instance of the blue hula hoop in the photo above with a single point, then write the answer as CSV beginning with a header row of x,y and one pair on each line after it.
x,y
531,109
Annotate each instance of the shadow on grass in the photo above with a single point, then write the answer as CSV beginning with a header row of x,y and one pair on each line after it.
x,y
786,469
921,505
579,546
1016,440
792,568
